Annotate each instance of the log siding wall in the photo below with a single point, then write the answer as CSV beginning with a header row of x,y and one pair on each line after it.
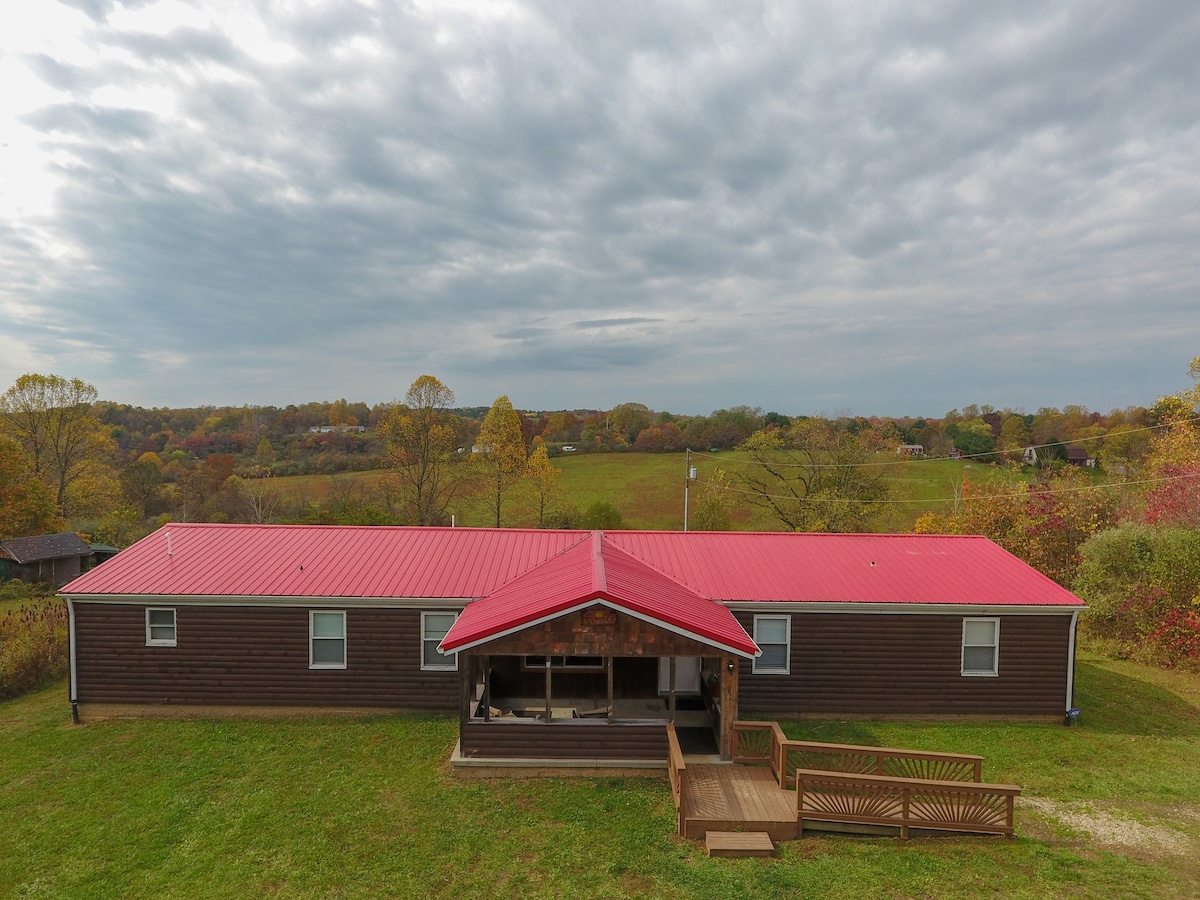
x,y
254,656
571,739
909,664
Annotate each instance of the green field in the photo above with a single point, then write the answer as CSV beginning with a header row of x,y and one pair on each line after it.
x,y
368,808
647,488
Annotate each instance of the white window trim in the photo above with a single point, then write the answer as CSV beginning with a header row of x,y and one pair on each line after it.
x,y
994,672
162,642
312,639
758,669
451,663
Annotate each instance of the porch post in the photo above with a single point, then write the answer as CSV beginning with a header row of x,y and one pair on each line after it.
x,y
487,689
671,690
729,704
548,713
464,699
609,663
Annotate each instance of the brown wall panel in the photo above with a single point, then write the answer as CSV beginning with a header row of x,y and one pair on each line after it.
x,y
909,664
256,656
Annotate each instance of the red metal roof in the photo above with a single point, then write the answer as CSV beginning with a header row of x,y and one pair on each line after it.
x,y
596,573
196,560
470,563
845,568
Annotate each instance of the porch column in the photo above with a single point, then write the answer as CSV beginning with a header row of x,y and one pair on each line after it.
x,y
487,689
729,704
466,686
608,662
671,690
548,713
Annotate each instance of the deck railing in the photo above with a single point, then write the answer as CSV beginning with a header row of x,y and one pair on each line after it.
x,y
764,742
904,802
677,772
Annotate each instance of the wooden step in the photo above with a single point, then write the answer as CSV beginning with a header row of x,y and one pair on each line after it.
x,y
738,843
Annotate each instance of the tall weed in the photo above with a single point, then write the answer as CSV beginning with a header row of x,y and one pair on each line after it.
x,y
33,639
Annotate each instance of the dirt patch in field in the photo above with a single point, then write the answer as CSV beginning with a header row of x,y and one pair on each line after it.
x,y
1114,829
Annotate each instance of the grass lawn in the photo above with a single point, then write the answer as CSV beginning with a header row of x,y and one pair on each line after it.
x,y
367,808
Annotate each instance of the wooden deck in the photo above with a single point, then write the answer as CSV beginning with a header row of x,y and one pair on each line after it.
x,y
737,798
760,798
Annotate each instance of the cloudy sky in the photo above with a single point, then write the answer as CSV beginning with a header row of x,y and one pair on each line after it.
x,y
877,208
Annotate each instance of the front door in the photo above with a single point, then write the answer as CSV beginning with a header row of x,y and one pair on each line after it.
x,y
687,674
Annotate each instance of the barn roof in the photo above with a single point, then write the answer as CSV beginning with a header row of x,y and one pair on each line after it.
x,y
44,546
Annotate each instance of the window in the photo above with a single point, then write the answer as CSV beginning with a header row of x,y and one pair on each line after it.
x,y
160,628
773,634
434,626
327,640
981,647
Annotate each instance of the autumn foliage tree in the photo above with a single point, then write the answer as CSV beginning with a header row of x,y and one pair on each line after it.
x,y
420,435
1045,523
49,416
813,476
501,458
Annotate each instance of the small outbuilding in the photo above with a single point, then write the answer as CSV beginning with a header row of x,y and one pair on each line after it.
x,y
568,644
52,558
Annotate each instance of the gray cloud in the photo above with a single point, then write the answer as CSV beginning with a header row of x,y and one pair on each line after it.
x,y
694,206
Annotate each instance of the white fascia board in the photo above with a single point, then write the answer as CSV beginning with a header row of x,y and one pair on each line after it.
x,y
616,607
895,609
455,603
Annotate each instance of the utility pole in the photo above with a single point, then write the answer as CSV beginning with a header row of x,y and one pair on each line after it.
x,y
689,477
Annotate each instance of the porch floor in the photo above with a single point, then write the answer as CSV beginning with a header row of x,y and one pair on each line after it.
x,y
728,797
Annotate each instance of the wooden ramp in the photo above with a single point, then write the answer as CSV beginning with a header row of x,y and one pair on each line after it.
x,y
737,798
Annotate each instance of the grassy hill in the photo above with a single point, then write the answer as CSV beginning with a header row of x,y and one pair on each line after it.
x,y
647,488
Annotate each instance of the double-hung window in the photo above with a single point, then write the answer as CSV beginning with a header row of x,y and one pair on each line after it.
x,y
327,639
160,627
773,634
981,647
434,626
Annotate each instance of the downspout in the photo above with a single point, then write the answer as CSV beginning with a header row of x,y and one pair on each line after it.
x,y
1071,662
72,686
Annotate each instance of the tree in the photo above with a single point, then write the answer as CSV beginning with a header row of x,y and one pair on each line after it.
x,y
48,415
26,504
502,455
544,490
420,438
813,477
714,507
141,485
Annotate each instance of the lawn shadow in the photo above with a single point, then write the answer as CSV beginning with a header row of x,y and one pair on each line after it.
x,y
1119,704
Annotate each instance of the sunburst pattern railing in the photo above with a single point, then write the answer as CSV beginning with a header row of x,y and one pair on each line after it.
x,y
904,802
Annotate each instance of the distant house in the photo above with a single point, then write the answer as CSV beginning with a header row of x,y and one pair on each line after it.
x,y
52,558
338,429
1030,456
1078,456
910,450
568,644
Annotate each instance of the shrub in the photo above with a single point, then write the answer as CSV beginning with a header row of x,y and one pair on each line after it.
x,y
1143,587
33,639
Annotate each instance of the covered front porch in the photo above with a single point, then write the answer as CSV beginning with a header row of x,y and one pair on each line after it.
x,y
590,656
568,701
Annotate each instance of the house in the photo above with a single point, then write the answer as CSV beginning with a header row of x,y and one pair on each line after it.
x,y
1029,456
562,644
1078,456
53,558
910,450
